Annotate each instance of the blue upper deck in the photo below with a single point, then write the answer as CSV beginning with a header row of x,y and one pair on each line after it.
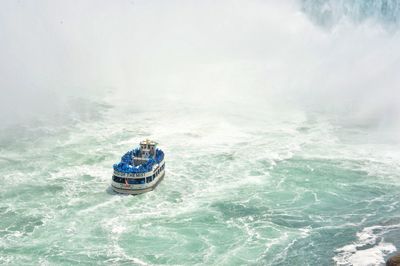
x,y
126,165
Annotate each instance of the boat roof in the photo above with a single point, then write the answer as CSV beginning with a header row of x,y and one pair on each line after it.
x,y
148,142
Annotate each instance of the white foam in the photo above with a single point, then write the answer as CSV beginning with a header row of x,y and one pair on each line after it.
x,y
369,249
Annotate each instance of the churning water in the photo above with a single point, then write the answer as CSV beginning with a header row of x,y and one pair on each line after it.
x,y
249,188
248,181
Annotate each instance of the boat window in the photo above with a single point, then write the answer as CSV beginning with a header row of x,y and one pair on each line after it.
x,y
149,179
118,179
136,181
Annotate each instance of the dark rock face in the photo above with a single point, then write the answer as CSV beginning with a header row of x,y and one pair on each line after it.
x,y
394,260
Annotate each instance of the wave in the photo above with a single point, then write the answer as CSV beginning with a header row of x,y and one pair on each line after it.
x,y
369,249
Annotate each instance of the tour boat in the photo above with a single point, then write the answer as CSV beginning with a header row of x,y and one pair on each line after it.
x,y
140,169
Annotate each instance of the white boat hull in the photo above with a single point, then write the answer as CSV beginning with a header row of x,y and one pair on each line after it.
x,y
122,185
137,191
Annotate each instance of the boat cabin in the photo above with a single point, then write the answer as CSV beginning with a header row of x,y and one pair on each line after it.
x,y
147,150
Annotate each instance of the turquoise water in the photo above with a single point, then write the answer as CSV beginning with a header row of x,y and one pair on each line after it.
x,y
279,121
240,189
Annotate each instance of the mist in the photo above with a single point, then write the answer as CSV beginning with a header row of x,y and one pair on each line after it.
x,y
279,121
247,54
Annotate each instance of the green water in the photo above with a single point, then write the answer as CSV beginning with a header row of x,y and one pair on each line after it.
x,y
293,189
